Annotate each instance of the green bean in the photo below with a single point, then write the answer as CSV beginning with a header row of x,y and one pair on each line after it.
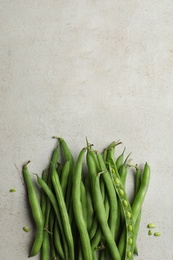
x,y
53,201
36,211
119,160
113,218
51,228
94,226
55,157
57,240
126,208
43,196
98,235
123,170
90,210
99,207
63,212
137,204
77,207
59,169
84,201
104,155
68,157
45,248
64,177
137,224
139,199
111,151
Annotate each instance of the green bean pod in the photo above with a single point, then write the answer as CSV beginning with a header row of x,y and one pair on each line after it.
x,y
64,177
51,237
137,224
113,214
127,211
99,207
53,201
138,202
45,249
77,208
63,212
36,211
90,210
119,160
57,240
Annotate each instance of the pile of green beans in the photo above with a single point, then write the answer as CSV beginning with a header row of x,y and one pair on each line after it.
x,y
83,211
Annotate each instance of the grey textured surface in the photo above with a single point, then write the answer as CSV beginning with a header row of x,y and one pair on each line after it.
x,y
102,69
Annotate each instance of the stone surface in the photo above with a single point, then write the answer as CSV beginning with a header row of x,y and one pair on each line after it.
x,y
101,69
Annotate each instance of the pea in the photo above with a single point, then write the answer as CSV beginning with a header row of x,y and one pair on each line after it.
x,y
128,214
157,234
125,203
151,225
130,241
117,181
130,228
150,232
12,190
26,229
121,192
129,254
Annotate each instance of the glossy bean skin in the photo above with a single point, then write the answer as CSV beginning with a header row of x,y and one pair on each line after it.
x,y
77,208
99,207
36,211
63,212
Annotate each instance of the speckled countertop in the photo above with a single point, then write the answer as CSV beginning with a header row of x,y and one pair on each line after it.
x,y
86,68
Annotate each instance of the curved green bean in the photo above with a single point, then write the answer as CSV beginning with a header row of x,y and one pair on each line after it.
x,y
138,202
63,212
36,211
77,208
99,207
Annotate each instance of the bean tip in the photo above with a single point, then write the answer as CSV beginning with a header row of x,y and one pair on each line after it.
x,y
25,165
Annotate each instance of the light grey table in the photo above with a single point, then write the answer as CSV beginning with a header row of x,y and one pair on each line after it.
x,y
101,69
